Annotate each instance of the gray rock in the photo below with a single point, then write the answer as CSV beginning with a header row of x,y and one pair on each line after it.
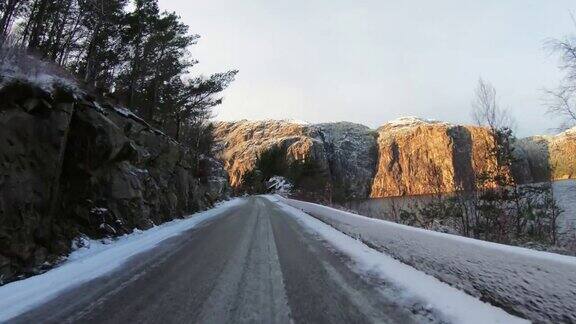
x,y
70,167
352,154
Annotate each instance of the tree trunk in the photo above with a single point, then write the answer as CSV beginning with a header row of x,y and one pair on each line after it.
x,y
8,17
37,24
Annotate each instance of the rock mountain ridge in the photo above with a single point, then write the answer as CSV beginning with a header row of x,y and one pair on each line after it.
x,y
407,156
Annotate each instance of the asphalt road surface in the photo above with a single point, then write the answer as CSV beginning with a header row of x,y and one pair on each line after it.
x,y
252,264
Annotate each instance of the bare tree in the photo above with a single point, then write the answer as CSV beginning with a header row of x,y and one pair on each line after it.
x,y
486,110
561,101
10,10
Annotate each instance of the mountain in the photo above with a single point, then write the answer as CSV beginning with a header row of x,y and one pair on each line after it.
x,y
253,150
418,157
551,157
323,161
407,156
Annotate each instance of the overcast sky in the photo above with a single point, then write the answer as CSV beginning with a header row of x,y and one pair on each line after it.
x,y
370,61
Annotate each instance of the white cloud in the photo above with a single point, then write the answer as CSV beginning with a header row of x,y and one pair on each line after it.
x,y
371,61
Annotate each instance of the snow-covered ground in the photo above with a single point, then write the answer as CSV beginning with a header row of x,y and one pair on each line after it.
x,y
94,260
565,192
452,304
536,285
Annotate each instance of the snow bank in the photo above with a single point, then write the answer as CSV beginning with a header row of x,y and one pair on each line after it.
x,y
452,304
92,261
536,285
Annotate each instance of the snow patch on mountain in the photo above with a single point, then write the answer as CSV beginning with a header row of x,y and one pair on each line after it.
x,y
411,121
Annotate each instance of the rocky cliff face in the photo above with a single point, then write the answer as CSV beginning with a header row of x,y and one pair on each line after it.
x,y
250,149
405,157
352,154
323,162
72,166
551,157
408,156
419,157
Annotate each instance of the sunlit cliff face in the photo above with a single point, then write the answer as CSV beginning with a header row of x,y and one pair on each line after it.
x,y
408,156
426,157
404,157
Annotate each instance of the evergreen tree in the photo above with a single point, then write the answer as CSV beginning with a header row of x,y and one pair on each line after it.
x,y
52,29
10,10
136,35
196,99
139,56
102,21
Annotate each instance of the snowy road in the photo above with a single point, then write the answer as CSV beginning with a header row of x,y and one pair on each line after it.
x,y
257,262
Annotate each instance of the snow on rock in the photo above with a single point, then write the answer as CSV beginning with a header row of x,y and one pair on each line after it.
x,y
18,66
536,285
93,259
296,121
416,287
352,155
551,157
344,154
280,185
411,121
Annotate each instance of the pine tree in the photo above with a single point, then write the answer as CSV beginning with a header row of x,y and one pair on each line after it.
x,y
10,10
139,57
102,21
52,28
138,31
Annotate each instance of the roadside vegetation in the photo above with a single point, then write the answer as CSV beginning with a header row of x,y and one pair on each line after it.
x,y
499,209
127,52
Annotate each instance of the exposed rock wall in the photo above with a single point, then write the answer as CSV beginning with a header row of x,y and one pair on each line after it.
x,y
71,166
551,157
352,154
408,156
563,155
242,144
419,157
411,159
